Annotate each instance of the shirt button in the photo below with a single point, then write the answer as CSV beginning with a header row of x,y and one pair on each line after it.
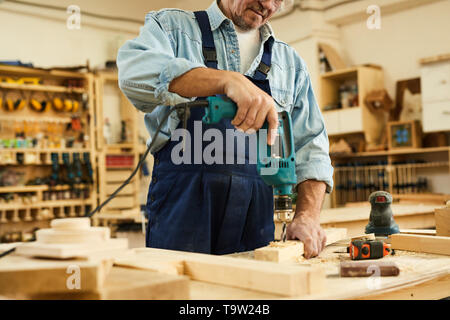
x,y
154,179
152,197
232,51
156,161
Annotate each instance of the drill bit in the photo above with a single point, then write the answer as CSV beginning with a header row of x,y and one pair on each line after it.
x,y
283,233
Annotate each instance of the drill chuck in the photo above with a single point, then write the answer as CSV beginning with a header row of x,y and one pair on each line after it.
x,y
283,208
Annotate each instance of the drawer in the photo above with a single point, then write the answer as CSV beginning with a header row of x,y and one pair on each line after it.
x,y
436,116
331,119
121,203
435,82
350,120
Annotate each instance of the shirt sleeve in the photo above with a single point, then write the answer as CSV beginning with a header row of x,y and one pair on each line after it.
x,y
310,136
148,64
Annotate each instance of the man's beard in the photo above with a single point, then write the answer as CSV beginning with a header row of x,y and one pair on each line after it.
x,y
240,22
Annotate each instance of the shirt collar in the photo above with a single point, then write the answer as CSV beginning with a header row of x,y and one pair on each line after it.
x,y
216,18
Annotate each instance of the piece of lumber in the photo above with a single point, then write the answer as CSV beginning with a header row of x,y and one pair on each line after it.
x,y
368,236
71,251
368,268
130,284
442,217
247,274
278,251
426,232
23,275
421,243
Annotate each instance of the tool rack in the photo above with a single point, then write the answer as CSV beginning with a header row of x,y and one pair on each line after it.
x,y
32,140
401,172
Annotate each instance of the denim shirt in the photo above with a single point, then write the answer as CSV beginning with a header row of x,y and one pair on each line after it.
x,y
170,44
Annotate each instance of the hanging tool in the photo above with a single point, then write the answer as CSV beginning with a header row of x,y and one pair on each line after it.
x,y
279,157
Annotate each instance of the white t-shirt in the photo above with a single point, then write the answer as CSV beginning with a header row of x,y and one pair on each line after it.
x,y
249,46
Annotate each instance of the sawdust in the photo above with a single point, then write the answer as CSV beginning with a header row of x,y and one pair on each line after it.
x,y
281,244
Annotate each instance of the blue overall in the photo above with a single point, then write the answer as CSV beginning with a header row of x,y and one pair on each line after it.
x,y
210,208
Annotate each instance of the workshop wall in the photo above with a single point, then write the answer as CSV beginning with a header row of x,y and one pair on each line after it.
x,y
404,38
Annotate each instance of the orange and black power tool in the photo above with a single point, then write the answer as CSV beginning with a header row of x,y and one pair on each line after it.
x,y
369,249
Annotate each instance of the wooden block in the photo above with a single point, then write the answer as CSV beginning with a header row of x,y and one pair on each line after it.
x,y
278,251
89,236
368,268
292,250
420,243
22,275
442,217
247,274
369,236
71,224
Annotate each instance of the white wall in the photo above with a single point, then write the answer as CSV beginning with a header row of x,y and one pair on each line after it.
x,y
404,38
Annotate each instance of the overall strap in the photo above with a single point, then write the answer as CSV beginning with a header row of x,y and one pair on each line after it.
x,y
209,49
266,61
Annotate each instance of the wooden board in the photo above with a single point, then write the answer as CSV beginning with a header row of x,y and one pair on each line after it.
x,y
260,276
422,276
69,251
426,232
442,216
293,250
420,243
34,276
131,284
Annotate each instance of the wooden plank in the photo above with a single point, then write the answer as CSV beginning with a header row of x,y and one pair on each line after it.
x,y
426,232
69,251
438,58
420,243
130,284
293,250
247,274
34,276
442,216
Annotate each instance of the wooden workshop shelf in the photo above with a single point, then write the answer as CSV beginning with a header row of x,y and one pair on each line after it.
x,y
43,88
400,172
25,211
392,152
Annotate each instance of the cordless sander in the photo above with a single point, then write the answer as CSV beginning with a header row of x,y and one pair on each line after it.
x,y
275,163
381,220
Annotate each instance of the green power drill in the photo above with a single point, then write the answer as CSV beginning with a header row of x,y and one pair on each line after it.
x,y
275,164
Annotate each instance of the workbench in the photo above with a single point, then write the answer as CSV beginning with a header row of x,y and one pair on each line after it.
x,y
355,219
422,276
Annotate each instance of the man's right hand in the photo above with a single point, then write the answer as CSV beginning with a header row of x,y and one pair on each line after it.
x,y
254,105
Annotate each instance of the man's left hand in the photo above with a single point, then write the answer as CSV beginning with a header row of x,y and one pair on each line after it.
x,y
307,229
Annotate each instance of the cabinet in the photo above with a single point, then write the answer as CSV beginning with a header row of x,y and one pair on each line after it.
x,y
435,82
341,119
118,148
